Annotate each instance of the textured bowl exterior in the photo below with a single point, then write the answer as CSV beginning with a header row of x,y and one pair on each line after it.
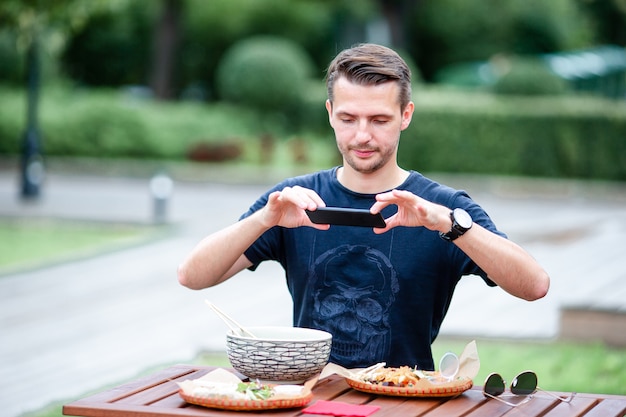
x,y
277,358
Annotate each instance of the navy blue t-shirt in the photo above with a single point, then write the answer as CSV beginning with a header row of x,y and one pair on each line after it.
x,y
382,297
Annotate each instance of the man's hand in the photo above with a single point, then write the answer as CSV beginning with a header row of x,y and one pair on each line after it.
x,y
413,211
286,208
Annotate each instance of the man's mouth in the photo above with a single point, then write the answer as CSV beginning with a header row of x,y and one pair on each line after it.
x,y
363,153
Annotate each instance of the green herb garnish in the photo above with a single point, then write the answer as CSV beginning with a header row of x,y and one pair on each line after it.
x,y
255,390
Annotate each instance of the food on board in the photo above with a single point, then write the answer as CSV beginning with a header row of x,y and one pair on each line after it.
x,y
403,376
244,390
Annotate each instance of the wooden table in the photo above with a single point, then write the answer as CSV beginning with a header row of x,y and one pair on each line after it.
x,y
157,395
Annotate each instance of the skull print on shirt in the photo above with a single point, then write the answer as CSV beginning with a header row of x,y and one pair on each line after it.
x,y
354,287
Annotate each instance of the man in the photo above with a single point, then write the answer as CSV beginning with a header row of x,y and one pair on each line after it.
x,y
382,293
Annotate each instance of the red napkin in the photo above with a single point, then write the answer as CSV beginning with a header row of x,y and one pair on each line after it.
x,y
336,408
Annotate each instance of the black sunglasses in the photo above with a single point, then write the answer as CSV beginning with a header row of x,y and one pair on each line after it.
x,y
523,385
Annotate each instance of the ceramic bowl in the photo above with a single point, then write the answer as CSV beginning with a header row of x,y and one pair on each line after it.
x,y
279,354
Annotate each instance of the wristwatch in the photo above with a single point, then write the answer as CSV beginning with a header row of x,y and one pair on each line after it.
x,y
461,223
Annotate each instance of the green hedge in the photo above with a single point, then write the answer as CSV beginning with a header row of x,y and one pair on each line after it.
x,y
102,123
575,137
268,73
578,137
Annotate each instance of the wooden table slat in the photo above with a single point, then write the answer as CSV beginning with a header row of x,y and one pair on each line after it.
x,y
354,397
172,401
151,396
609,407
115,394
578,406
330,388
489,408
536,406
463,404
393,407
127,410
158,389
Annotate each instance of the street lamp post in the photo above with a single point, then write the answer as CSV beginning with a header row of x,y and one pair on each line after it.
x,y
32,168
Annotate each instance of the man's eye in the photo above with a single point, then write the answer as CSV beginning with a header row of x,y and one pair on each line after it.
x,y
380,122
347,120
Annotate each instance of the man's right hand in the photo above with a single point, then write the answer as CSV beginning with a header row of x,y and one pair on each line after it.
x,y
287,208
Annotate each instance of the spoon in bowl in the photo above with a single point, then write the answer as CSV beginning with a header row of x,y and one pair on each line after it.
x,y
230,322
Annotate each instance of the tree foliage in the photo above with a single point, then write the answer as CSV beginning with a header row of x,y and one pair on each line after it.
x,y
110,42
31,18
50,22
114,48
453,31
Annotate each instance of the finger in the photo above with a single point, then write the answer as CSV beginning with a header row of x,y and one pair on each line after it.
x,y
381,230
312,196
383,200
302,197
319,226
274,197
378,206
391,222
396,197
290,195
403,195
389,195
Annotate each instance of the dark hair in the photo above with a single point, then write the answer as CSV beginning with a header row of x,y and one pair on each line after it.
x,y
370,64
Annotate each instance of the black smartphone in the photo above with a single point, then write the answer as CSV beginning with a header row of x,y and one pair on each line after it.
x,y
346,217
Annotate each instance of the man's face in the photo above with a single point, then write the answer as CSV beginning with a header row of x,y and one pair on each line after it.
x,y
367,121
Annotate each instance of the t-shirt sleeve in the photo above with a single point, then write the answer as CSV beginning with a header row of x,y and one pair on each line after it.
x,y
264,248
479,216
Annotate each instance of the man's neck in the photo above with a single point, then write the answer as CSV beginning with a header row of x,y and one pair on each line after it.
x,y
384,179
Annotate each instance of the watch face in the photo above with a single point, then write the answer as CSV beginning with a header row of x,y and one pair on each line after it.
x,y
462,218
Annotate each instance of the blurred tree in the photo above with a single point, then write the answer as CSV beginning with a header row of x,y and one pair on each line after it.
x,y
175,45
11,63
31,19
452,31
211,27
397,14
166,38
609,19
113,49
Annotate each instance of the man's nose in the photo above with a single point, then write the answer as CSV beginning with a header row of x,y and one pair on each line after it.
x,y
363,133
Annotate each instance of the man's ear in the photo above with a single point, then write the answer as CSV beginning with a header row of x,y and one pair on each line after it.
x,y
329,109
407,115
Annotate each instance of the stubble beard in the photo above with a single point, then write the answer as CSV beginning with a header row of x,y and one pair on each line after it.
x,y
368,166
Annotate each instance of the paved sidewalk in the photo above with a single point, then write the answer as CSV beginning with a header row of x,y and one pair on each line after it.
x,y
77,326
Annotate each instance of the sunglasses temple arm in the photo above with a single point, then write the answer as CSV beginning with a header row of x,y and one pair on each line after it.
x,y
507,402
565,400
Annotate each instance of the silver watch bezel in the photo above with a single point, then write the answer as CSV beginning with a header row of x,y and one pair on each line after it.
x,y
461,218
458,229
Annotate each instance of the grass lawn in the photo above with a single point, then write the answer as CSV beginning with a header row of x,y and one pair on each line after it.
x,y
30,243
559,365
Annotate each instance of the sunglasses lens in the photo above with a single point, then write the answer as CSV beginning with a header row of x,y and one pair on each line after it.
x,y
494,385
524,384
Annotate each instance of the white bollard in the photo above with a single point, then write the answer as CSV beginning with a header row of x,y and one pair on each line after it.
x,y
161,188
